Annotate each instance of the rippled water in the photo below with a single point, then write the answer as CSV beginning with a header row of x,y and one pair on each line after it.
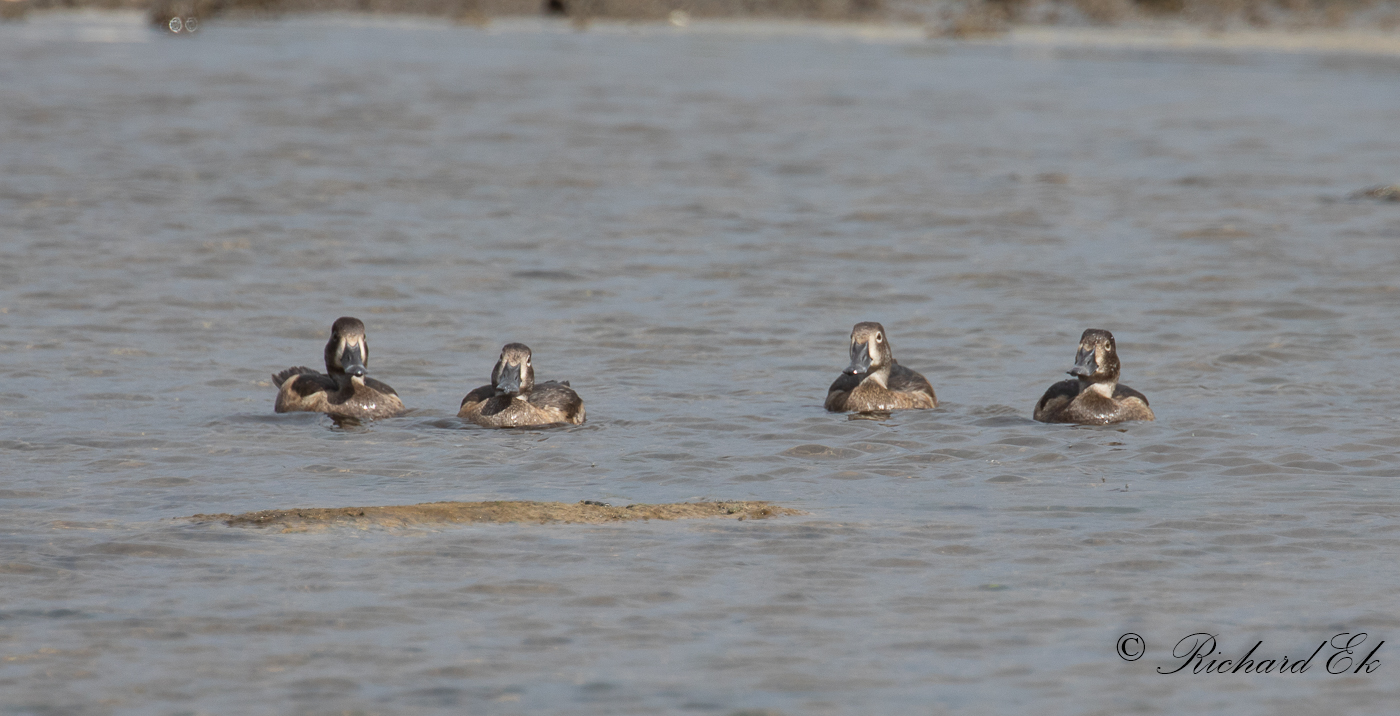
x,y
686,225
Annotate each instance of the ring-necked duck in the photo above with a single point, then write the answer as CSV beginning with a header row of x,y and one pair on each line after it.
x,y
1094,396
514,400
343,391
874,381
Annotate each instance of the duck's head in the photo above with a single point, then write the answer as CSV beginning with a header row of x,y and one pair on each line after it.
x,y
1097,359
513,373
870,349
347,352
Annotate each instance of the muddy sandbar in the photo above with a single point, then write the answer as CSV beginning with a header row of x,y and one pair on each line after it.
x,y
446,513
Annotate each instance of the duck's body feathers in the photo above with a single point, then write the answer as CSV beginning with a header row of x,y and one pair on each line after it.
x,y
344,391
307,381
1066,402
303,389
1094,396
514,400
905,389
547,403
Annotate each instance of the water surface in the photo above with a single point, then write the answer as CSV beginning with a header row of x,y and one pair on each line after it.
x,y
686,225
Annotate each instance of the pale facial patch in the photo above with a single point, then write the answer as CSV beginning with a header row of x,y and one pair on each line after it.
x,y
876,350
350,342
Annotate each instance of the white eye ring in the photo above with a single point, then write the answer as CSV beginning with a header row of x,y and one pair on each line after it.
x,y
879,338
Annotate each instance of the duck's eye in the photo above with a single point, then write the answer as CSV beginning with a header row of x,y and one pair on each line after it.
x,y
879,338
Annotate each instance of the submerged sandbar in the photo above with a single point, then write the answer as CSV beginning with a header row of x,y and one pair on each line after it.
x,y
446,513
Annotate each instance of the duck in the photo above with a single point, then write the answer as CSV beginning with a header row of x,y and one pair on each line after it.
x,y
874,381
344,390
1094,396
515,400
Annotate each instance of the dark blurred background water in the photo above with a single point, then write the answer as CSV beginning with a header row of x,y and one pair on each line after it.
x,y
686,225
954,18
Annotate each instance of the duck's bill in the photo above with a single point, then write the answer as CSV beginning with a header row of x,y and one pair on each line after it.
x,y
350,361
508,381
860,359
1085,365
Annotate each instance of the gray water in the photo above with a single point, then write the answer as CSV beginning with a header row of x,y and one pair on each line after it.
x,y
686,225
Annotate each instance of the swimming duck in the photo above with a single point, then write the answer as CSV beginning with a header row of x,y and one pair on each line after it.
x,y
514,400
1094,396
343,391
874,381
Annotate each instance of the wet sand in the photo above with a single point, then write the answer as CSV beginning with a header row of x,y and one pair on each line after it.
x,y
445,513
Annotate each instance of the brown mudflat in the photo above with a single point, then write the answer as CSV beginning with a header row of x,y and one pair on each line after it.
x,y
442,513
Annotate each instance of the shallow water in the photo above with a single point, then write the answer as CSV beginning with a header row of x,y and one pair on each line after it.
x,y
686,225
